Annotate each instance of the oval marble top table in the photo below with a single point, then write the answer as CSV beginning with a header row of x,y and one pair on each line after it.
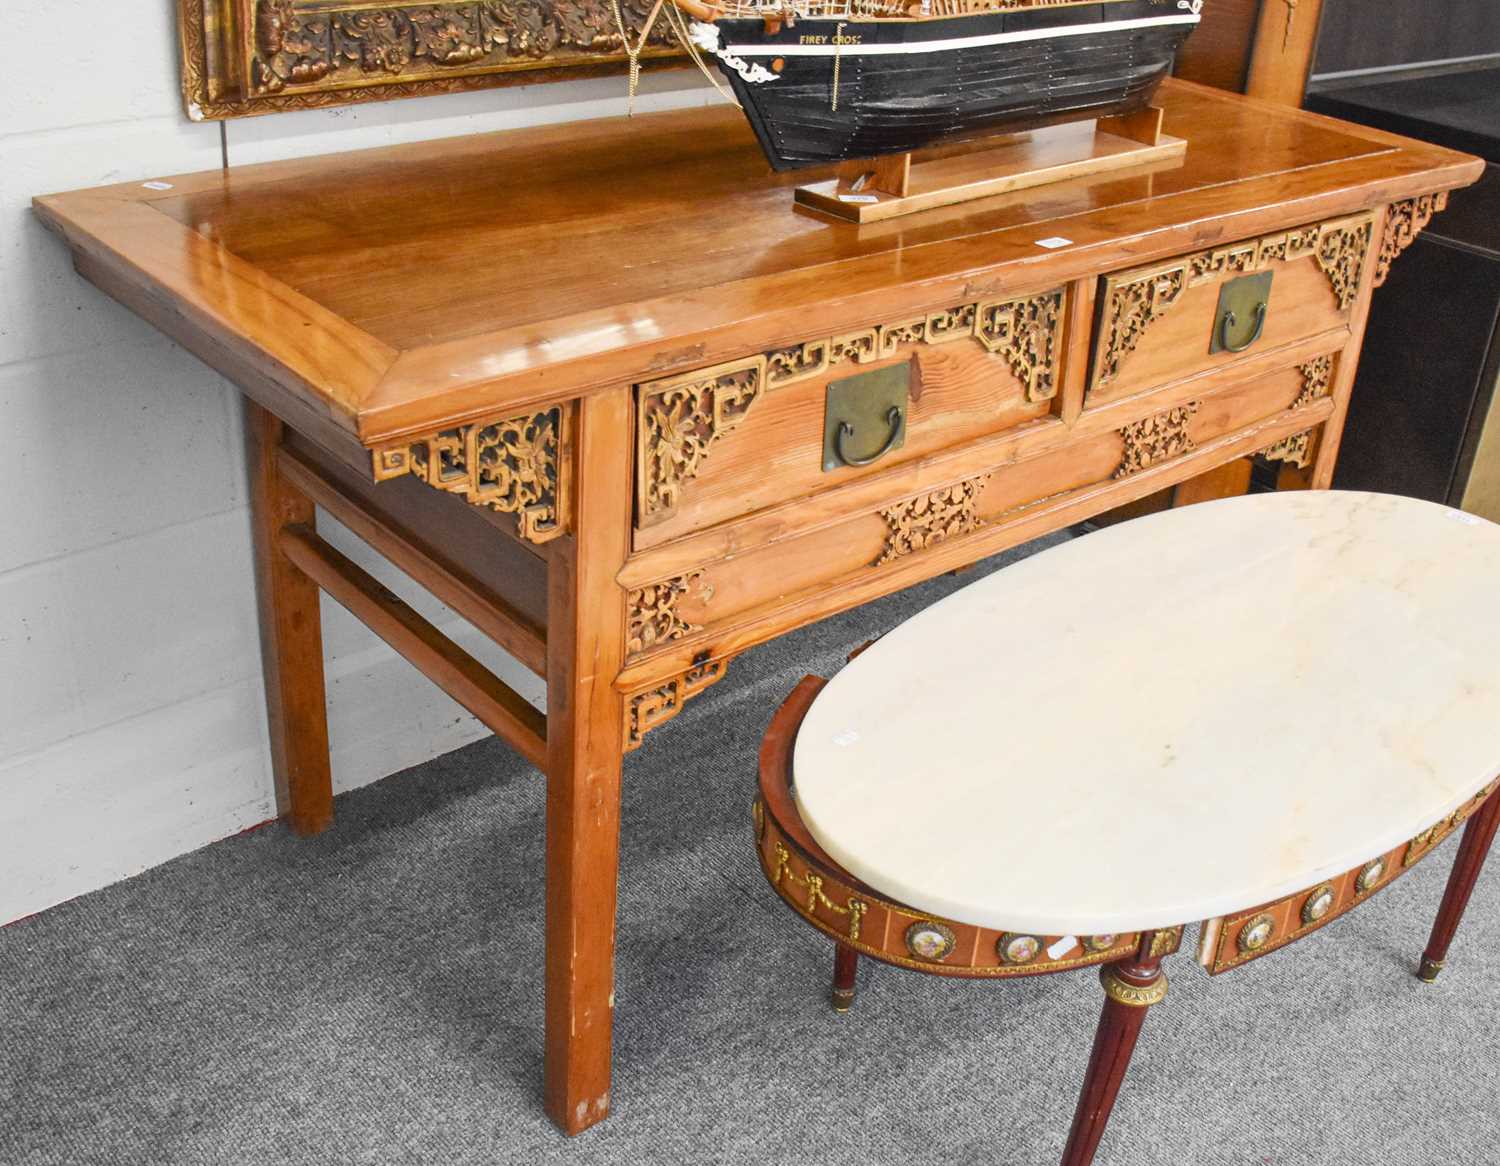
x,y
1169,720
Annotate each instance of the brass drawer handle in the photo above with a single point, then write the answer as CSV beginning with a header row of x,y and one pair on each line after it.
x,y
1231,321
893,419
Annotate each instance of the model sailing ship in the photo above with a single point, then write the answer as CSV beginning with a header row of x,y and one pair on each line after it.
x,y
827,80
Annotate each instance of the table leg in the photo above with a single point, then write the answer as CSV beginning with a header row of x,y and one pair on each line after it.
x,y
845,972
1479,834
585,730
1130,988
291,636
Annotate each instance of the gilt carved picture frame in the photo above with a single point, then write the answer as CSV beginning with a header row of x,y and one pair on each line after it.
x,y
247,57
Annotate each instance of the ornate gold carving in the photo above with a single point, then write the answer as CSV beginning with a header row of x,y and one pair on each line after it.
x,y
815,894
1027,333
679,421
1295,450
650,707
1403,223
510,465
1157,439
928,519
1165,941
651,613
1134,995
1131,309
304,54
1341,254
1317,380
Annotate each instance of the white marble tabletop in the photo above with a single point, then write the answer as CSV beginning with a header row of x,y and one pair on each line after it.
x,y
1168,720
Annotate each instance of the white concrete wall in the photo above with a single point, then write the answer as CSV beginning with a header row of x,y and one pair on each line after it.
x,y
132,727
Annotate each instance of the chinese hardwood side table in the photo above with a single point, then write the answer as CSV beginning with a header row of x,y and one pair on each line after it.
x,y
590,385
1061,765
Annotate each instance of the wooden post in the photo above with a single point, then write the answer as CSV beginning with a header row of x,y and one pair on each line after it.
x,y
1286,39
585,646
291,636
845,972
1479,834
1130,988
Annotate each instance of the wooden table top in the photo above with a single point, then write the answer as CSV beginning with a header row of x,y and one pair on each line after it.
x,y
1170,720
390,291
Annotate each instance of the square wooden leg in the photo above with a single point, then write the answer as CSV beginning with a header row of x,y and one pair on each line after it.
x,y
585,739
291,637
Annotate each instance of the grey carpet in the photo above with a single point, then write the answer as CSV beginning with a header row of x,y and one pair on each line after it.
x,y
373,995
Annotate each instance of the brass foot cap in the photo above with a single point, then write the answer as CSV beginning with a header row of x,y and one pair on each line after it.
x,y
1430,970
842,1000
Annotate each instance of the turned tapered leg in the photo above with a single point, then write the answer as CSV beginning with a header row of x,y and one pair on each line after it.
x,y
291,636
845,971
1130,988
585,646
1472,851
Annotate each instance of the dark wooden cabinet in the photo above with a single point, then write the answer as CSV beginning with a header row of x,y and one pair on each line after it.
x,y
1424,419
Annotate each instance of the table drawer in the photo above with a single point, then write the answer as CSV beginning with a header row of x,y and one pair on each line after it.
x,y
1160,324
723,442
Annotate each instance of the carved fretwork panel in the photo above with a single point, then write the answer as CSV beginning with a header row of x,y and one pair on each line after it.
x,y
1317,381
1341,255
1296,450
1134,302
1157,439
511,465
929,519
678,422
651,613
1131,309
650,707
1027,332
1404,222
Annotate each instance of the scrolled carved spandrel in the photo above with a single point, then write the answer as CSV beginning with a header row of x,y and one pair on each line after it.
x,y
1295,450
1028,334
1317,380
679,421
650,707
1131,309
1403,223
512,465
1341,254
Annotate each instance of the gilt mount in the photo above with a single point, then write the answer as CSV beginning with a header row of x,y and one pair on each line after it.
x,y
247,57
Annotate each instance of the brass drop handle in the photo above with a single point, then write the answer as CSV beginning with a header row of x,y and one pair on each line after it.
x,y
893,418
1230,320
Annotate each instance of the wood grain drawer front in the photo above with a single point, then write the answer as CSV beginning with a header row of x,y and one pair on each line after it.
x,y
1237,939
1158,325
723,442
766,582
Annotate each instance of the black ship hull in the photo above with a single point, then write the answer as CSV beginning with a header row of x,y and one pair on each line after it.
x,y
824,90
